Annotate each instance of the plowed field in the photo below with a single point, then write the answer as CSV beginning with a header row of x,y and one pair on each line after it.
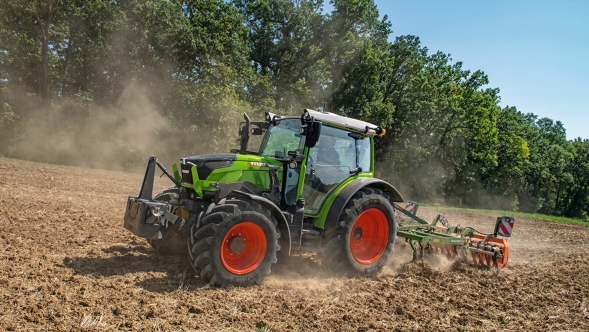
x,y
66,263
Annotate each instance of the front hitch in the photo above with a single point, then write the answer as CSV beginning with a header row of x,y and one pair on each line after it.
x,y
145,217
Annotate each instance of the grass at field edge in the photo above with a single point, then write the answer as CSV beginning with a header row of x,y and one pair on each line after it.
x,y
498,213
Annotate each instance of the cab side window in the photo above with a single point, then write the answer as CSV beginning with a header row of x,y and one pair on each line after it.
x,y
364,154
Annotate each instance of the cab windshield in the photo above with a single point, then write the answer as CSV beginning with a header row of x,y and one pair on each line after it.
x,y
281,138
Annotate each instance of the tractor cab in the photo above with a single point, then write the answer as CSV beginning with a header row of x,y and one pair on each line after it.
x,y
319,151
340,154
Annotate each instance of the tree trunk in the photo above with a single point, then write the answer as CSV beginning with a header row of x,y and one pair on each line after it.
x,y
65,68
44,19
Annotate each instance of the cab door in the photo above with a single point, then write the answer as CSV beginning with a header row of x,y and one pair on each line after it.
x,y
329,164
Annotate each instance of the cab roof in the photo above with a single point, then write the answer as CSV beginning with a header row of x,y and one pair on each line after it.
x,y
367,128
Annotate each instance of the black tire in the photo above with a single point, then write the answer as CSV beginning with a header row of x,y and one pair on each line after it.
x,y
170,244
338,255
209,239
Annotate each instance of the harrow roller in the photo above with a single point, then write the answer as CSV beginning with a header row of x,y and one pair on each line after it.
x,y
493,254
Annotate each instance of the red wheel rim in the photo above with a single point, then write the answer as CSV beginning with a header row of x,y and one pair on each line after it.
x,y
369,236
243,248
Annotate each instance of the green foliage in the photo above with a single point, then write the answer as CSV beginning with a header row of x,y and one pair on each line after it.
x,y
106,83
442,134
286,51
7,121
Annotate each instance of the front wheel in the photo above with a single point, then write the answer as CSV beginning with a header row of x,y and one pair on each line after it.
x,y
363,240
236,244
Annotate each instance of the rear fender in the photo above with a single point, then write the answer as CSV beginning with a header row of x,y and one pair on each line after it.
x,y
338,205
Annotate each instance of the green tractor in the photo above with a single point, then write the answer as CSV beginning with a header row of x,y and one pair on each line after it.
x,y
309,187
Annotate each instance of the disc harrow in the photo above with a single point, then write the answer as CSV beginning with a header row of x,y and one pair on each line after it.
x,y
489,251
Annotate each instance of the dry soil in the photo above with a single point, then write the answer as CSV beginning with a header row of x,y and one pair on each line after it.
x,y
66,263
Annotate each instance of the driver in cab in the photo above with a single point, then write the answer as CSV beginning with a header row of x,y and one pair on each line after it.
x,y
325,166
326,153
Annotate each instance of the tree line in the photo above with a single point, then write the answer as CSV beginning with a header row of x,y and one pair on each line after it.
x,y
194,66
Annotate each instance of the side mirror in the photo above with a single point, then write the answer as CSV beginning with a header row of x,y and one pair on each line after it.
x,y
257,131
312,131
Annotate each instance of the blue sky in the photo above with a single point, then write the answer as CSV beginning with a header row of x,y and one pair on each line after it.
x,y
536,52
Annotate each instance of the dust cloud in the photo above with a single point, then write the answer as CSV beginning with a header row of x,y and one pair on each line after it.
x,y
429,181
119,137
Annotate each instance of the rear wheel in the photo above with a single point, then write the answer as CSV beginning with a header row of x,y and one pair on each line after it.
x,y
174,242
236,244
363,240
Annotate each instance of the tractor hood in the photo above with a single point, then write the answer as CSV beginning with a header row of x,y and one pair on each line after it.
x,y
205,164
227,168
